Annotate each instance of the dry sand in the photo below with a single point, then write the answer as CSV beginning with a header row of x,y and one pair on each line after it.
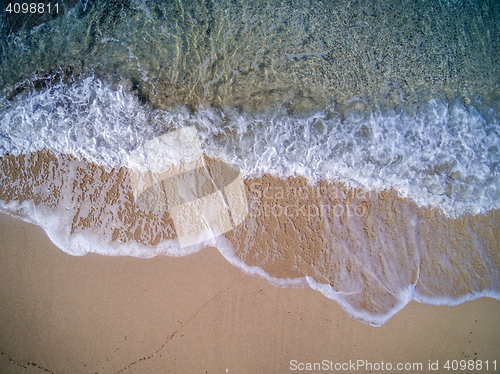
x,y
199,314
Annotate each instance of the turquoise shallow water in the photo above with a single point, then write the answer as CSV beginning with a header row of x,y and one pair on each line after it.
x,y
380,95
264,53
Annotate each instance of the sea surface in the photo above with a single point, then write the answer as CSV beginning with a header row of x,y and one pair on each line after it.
x,y
394,102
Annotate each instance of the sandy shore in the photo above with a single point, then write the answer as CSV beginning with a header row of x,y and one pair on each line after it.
x,y
199,314
376,250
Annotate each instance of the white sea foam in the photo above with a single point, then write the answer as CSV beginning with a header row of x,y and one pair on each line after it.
x,y
57,225
445,155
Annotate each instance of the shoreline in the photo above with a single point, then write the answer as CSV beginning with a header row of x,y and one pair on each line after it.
x,y
251,187
102,314
371,252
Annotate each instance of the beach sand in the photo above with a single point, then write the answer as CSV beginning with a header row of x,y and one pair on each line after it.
x,y
200,314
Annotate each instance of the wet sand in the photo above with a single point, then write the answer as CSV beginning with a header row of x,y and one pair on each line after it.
x,y
374,251
99,314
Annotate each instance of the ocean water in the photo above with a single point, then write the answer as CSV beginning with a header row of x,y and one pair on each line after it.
x,y
368,132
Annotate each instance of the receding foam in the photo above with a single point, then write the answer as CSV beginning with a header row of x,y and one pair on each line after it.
x,y
371,255
444,155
